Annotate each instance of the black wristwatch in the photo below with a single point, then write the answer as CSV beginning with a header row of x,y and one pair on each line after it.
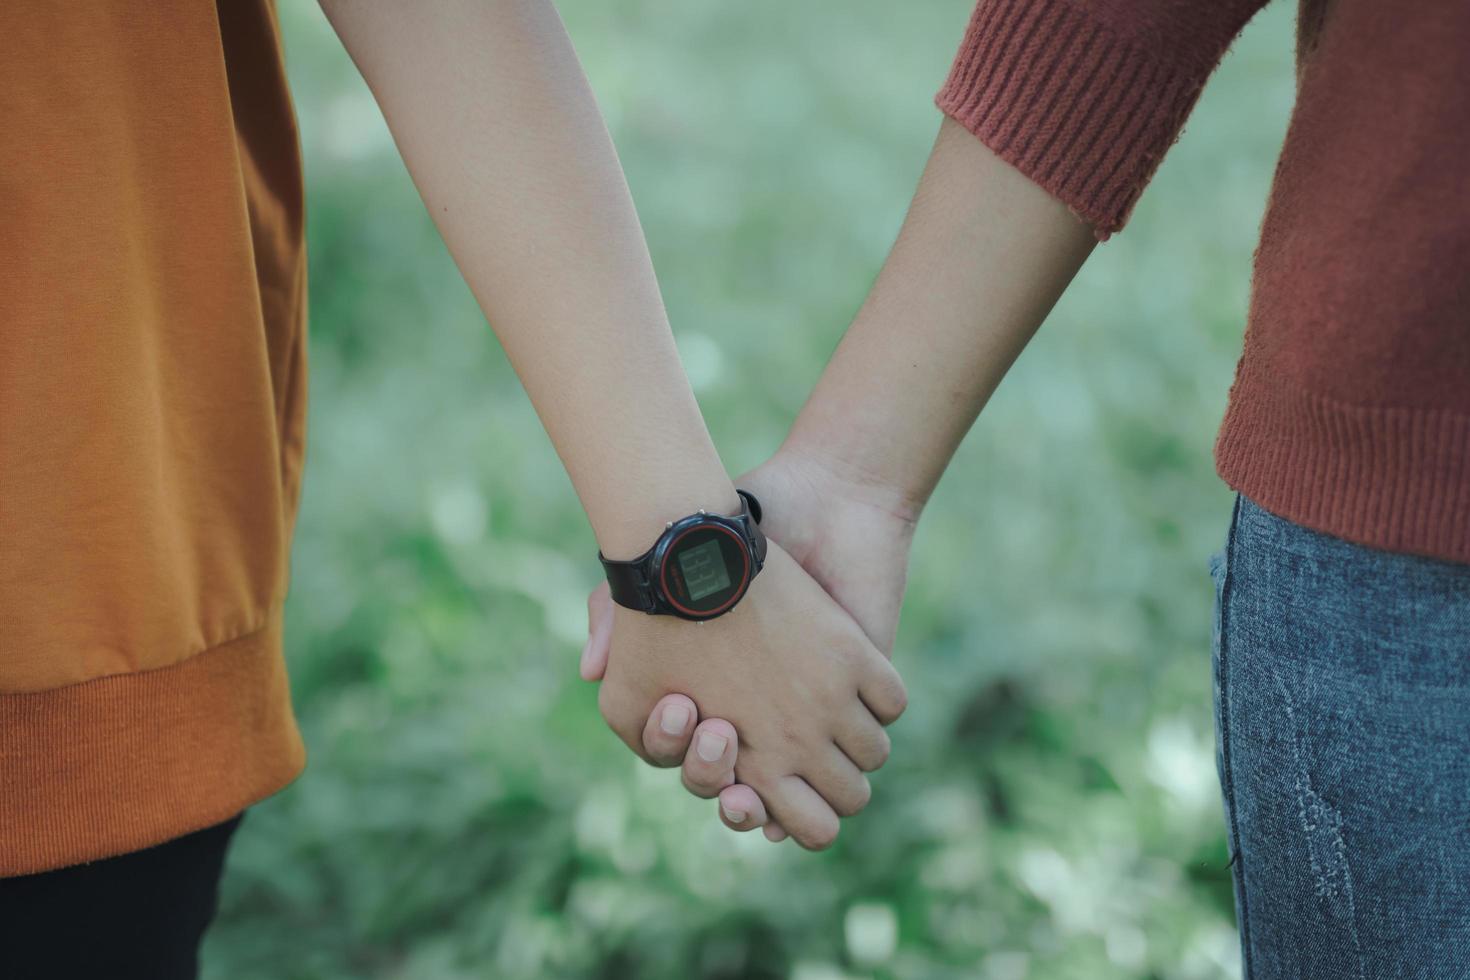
x,y
699,567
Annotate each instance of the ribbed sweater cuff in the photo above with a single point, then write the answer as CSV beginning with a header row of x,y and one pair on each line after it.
x,y
1060,97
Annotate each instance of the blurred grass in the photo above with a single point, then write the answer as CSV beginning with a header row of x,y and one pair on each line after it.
x,y
1050,809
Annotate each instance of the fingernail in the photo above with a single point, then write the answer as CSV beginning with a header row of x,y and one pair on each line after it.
x,y
675,718
711,746
734,816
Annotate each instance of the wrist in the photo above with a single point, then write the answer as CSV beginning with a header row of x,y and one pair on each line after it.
x,y
843,466
852,536
813,505
627,527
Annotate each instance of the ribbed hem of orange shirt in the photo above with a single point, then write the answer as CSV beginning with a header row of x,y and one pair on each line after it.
x,y
121,763
1396,479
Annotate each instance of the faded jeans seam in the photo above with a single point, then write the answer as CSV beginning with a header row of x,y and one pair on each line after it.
x,y
1227,767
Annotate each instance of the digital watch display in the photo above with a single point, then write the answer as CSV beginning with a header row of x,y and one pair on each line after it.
x,y
698,569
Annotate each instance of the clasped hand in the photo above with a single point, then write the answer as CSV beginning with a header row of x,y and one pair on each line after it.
x,y
778,707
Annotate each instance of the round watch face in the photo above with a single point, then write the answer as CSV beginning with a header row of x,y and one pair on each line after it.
x,y
705,570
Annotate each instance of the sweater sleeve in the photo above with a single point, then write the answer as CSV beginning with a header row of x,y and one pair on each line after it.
x,y
1085,96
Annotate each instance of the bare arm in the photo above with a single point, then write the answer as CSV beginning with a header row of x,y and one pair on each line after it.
x,y
982,257
499,129
493,116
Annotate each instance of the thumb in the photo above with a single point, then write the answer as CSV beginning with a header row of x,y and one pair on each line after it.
x,y
599,633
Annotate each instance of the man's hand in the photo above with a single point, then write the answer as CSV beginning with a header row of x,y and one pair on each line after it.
x,y
789,669
673,735
852,537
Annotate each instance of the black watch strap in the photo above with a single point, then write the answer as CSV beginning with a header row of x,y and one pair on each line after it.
x,y
631,581
751,515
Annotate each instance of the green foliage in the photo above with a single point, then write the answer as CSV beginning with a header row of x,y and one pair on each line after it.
x,y
1051,807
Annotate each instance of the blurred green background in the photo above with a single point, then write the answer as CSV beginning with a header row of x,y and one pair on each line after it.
x,y
1050,809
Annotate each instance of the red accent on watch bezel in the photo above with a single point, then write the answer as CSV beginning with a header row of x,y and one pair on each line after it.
x,y
663,572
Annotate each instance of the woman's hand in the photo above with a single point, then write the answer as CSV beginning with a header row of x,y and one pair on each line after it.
x,y
851,535
790,670
853,538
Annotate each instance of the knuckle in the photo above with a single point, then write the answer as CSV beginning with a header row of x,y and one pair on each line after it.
x,y
853,802
700,787
818,838
897,698
900,704
788,733
883,751
876,754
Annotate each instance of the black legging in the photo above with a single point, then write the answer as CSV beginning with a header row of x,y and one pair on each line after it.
x,y
139,915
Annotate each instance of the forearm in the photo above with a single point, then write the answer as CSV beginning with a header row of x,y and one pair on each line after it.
x,y
497,125
982,256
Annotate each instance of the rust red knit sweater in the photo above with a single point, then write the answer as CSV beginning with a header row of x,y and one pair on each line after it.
x,y
1350,411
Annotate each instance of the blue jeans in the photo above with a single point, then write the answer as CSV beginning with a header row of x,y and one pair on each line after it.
x,y
1342,713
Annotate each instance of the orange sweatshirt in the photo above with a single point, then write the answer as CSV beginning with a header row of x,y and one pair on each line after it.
x,y
152,386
